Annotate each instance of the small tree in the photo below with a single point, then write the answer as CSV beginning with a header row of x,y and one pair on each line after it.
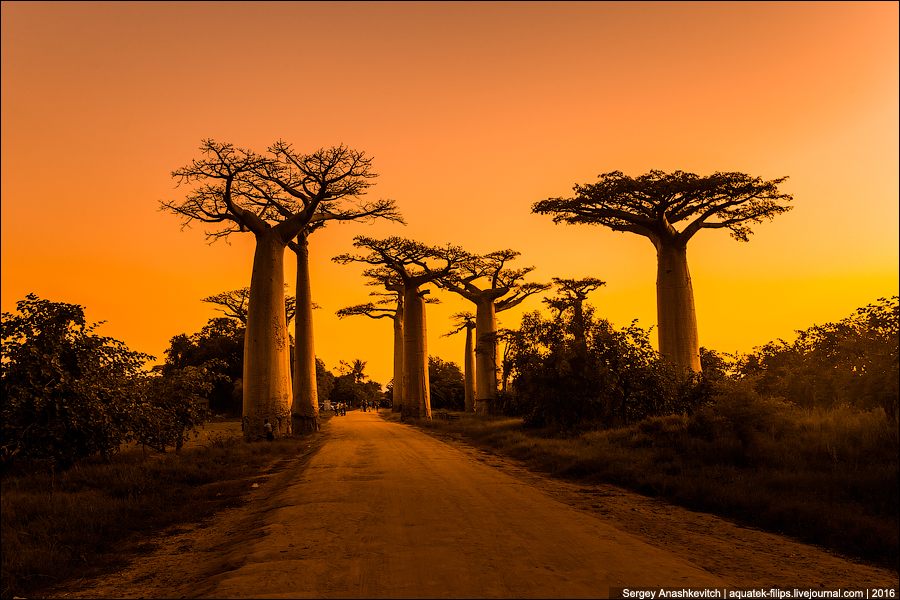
x,y
447,384
571,295
219,346
651,206
567,371
351,387
324,383
67,393
172,406
466,320
854,362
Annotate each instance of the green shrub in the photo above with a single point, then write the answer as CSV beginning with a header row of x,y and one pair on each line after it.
x,y
66,392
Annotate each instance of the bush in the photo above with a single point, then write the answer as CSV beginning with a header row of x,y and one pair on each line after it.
x,y
66,392
853,362
567,372
171,405
218,346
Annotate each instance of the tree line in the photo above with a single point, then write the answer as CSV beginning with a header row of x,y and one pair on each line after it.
x,y
283,196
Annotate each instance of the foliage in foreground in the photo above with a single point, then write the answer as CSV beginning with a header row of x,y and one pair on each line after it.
x,y
87,520
68,393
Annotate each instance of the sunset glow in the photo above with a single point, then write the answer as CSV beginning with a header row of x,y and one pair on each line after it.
x,y
472,112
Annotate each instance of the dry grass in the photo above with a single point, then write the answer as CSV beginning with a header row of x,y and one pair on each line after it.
x,y
92,518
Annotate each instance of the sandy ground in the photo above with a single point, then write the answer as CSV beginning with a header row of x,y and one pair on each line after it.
x,y
376,509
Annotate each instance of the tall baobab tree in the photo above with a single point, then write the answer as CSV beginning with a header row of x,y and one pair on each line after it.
x,y
345,173
243,191
390,305
226,183
466,320
489,299
415,265
651,205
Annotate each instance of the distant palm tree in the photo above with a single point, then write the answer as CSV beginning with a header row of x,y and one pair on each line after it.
x,y
355,369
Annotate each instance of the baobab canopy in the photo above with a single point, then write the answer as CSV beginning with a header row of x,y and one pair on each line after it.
x,y
651,205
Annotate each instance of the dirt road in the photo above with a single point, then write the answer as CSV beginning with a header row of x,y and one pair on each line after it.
x,y
385,510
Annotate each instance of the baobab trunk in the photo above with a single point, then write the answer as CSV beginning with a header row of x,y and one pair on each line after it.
x,y
485,356
679,343
416,393
267,378
470,370
305,409
398,357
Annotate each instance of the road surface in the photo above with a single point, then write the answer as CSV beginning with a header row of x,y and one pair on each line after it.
x,y
384,510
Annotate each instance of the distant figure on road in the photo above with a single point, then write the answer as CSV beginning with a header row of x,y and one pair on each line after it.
x,y
267,427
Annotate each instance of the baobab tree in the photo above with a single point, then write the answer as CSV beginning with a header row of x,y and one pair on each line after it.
x,y
345,174
466,320
651,205
489,299
243,191
415,265
571,293
390,305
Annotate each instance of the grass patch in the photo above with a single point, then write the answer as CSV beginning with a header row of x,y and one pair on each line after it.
x,y
91,519
826,477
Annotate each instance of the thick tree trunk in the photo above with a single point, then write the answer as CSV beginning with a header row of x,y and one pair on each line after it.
x,y
578,324
305,409
679,343
485,355
267,378
470,371
398,358
416,398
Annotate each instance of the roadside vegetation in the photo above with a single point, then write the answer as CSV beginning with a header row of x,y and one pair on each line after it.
x,y
99,455
93,518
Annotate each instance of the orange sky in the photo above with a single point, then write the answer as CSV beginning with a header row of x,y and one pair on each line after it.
x,y
472,112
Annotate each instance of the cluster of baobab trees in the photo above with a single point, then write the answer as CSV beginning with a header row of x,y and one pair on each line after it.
x,y
283,196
